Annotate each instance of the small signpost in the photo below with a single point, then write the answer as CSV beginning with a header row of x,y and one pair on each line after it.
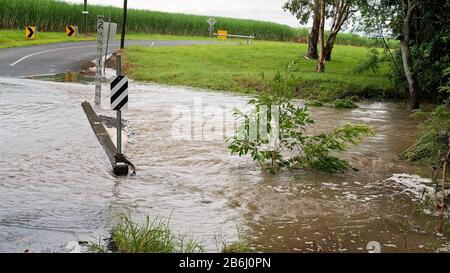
x,y
71,31
30,33
99,59
211,21
119,93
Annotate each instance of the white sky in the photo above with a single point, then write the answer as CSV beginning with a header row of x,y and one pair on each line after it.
x,y
266,10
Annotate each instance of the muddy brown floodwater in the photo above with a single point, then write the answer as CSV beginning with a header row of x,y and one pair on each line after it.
x,y
56,185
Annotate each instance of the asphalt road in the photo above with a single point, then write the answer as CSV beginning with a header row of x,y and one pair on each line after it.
x,y
28,61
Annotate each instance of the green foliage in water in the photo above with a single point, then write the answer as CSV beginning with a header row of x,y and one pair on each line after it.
x,y
345,104
433,137
435,130
275,134
153,235
241,245
314,103
147,236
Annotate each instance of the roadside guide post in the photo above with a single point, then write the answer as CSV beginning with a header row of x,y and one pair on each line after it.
x,y
98,70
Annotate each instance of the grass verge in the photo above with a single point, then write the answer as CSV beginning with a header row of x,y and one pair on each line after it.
x,y
16,38
238,67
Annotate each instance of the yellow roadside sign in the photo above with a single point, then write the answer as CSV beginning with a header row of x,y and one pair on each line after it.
x,y
71,31
222,34
30,33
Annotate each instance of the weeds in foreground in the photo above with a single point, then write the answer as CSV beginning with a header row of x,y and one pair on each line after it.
x,y
147,236
241,245
153,235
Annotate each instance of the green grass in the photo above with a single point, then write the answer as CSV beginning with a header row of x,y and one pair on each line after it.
x,y
237,67
53,16
146,236
15,38
153,235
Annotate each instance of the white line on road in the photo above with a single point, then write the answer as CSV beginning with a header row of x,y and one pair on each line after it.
x,y
46,51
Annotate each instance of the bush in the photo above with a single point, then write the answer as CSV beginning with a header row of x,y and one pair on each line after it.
x,y
433,138
344,104
274,133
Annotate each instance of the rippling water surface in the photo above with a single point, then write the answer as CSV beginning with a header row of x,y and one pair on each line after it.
x,y
56,185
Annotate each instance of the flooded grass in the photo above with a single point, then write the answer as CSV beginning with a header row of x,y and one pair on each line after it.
x,y
147,236
154,235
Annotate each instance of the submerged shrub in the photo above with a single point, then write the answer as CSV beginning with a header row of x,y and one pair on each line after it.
x,y
345,104
274,132
433,137
314,103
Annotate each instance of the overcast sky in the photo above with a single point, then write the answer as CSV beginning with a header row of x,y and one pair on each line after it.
x,y
267,10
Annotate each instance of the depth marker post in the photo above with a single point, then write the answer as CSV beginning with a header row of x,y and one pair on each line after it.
x,y
99,62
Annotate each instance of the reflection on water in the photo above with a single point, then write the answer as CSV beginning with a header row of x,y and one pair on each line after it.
x,y
69,77
55,184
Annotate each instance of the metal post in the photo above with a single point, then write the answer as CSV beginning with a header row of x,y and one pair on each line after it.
x,y
85,18
124,22
119,112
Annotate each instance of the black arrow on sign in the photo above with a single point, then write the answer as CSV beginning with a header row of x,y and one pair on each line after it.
x,y
30,32
71,31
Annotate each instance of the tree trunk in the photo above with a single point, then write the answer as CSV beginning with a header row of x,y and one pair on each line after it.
x,y
314,34
329,46
321,62
405,48
410,75
342,10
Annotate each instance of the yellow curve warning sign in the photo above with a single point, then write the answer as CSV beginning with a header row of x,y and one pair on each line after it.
x,y
71,31
30,33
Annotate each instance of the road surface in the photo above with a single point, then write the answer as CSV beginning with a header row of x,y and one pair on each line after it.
x,y
28,61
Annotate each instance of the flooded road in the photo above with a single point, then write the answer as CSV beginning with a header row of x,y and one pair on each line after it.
x,y
56,185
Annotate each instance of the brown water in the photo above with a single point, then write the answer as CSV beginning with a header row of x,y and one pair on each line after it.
x,y
56,185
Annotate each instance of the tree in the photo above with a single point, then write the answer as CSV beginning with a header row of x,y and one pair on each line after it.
x,y
423,28
339,10
304,10
321,61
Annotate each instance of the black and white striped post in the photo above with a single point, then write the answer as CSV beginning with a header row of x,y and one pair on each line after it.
x,y
119,99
